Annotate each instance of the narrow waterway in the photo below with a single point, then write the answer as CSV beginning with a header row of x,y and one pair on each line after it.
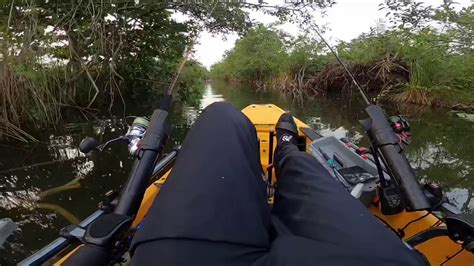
x,y
442,151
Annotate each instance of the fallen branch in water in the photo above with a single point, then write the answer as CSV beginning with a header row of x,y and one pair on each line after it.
x,y
73,184
71,218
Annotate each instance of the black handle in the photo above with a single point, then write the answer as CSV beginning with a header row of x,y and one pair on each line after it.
x,y
165,103
100,242
88,144
152,145
384,139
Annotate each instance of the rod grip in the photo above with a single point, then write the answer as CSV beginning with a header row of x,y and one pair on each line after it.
x,y
383,138
151,147
165,103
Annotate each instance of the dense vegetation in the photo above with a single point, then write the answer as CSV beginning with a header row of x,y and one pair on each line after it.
x,y
422,55
85,55
93,55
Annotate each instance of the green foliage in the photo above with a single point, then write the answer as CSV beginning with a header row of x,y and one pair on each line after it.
x,y
366,49
441,55
407,14
191,81
32,91
89,53
109,50
434,64
433,44
304,54
264,54
260,54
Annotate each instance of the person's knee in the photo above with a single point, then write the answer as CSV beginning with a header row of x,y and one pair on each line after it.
x,y
290,156
288,153
227,113
220,107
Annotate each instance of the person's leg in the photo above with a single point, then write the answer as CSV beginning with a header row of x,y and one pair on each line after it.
x,y
311,204
213,207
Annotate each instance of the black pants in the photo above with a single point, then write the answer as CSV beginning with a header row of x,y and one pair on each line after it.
x,y
213,208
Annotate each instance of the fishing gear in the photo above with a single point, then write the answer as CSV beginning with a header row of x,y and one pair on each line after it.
x,y
363,93
134,135
145,139
384,140
401,127
331,163
402,191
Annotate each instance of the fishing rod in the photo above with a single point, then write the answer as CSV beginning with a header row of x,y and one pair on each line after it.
x,y
354,80
159,134
146,143
403,192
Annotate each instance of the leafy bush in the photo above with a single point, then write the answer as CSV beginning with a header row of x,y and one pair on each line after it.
x,y
432,44
258,56
191,81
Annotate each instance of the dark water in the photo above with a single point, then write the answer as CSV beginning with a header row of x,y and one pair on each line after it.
x,y
442,150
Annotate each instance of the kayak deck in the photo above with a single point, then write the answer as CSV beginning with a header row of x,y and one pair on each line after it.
x,y
264,117
437,250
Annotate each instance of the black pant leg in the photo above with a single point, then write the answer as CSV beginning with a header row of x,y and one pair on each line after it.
x,y
313,205
214,197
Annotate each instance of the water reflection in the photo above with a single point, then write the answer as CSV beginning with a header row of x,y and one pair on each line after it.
x,y
190,113
210,97
462,198
435,154
61,148
25,199
28,172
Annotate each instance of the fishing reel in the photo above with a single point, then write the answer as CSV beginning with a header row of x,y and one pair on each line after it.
x,y
401,127
133,137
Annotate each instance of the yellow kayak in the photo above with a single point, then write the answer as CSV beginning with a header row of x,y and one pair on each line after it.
x,y
437,250
265,117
